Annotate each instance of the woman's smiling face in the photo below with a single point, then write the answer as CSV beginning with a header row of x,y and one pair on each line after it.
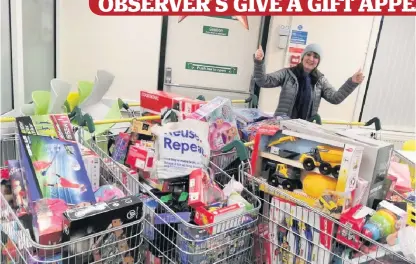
x,y
310,61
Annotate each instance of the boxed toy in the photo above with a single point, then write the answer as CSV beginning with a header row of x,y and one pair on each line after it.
x,y
221,119
202,190
376,155
84,221
315,156
121,147
92,165
248,132
355,219
52,160
234,213
245,116
18,187
49,222
156,101
387,220
140,158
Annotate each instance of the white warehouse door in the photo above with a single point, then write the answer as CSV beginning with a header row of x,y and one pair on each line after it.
x,y
391,92
211,52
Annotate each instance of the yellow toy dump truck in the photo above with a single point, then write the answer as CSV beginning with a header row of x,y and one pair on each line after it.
x,y
326,158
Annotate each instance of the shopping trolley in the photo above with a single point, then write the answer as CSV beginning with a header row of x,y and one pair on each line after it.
x,y
291,230
170,236
18,246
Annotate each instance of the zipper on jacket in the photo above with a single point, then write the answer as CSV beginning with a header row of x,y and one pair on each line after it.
x,y
310,106
295,94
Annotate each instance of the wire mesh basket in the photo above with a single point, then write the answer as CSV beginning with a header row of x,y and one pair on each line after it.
x,y
120,243
291,231
172,237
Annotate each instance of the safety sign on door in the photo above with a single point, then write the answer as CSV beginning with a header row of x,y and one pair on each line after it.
x,y
196,66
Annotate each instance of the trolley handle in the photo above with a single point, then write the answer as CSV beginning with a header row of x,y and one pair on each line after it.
x,y
82,120
375,121
241,150
87,121
122,104
252,100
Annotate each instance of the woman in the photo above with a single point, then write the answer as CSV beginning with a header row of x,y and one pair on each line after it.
x,y
303,85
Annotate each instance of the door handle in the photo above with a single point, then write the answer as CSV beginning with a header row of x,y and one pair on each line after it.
x,y
168,75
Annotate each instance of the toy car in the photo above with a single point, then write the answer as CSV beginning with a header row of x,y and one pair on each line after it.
x,y
288,172
328,159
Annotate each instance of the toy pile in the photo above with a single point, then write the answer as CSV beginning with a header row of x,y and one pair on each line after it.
x,y
173,163
299,161
54,190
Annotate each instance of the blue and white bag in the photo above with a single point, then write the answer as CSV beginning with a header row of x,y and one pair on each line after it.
x,y
180,148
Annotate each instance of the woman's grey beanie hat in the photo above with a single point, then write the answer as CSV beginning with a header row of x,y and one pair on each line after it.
x,y
314,48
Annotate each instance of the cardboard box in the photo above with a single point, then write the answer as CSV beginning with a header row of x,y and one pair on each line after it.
x,y
375,158
52,160
156,101
229,216
92,165
293,146
219,115
355,219
93,219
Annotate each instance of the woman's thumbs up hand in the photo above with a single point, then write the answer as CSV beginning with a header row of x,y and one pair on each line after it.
x,y
358,77
259,54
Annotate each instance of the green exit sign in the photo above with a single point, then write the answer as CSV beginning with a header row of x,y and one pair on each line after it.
x,y
215,31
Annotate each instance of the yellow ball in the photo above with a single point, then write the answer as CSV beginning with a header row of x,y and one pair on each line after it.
x,y
314,185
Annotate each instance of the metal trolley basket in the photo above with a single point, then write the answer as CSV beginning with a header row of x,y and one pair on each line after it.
x,y
168,237
17,245
292,231
171,238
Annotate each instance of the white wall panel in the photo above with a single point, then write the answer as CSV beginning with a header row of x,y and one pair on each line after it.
x,y
391,92
126,46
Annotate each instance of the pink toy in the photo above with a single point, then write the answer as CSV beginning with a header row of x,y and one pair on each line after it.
x,y
221,133
107,193
49,222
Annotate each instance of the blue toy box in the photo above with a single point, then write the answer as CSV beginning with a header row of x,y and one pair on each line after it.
x,y
52,160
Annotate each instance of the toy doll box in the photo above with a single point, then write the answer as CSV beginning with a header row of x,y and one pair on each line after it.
x,y
221,119
92,219
311,153
52,160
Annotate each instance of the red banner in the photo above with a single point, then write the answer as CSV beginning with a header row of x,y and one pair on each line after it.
x,y
253,7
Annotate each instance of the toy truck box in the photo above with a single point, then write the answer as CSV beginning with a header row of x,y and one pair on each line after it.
x,y
375,158
311,153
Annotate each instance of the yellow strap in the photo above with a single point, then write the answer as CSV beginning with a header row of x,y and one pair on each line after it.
x,y
99,122
7,119
333,122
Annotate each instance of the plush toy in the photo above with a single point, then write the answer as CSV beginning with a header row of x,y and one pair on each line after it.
x,y
107,193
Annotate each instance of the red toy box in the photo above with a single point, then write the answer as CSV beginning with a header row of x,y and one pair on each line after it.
x,y
206,217
355,219
156,101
